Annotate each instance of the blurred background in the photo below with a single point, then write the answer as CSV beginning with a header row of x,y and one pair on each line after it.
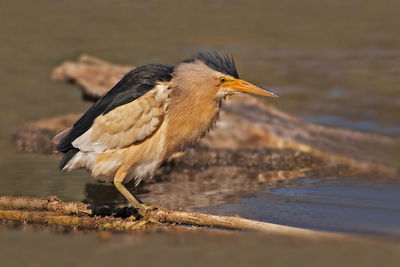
x,y
335,63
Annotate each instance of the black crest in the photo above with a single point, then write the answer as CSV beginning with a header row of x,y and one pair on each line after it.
x,y
224,64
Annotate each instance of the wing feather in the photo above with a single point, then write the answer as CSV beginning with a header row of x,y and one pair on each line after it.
x,y
133,85
126,124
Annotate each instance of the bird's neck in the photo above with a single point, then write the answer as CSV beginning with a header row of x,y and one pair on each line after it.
x,y
189,117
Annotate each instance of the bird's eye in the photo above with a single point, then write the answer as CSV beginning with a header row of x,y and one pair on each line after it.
x,y
222,79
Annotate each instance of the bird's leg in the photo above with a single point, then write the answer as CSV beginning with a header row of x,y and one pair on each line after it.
x,y
144,205
131,198
135,202
118,179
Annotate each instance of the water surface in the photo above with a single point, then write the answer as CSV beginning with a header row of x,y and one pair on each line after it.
x,y
330,204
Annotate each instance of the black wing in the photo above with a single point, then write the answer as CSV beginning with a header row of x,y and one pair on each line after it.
x,y
134,84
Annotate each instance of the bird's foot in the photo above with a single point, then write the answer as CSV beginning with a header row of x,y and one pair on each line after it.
x,y
146,207
151,219
139,225
146,216
142,221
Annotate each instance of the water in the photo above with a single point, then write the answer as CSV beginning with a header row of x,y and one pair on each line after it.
x,y
351,205
332,62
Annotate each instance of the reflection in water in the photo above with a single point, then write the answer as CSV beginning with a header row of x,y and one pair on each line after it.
x,y
204,177
211,187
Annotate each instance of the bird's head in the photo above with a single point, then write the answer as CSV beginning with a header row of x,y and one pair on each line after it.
x,y
210,74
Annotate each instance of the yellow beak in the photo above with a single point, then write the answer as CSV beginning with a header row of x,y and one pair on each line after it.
x,y
243,86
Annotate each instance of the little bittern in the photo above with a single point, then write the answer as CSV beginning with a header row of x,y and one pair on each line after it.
x,y
152,112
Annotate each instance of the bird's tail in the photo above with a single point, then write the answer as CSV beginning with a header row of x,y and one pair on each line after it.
x,y
56,139
67,157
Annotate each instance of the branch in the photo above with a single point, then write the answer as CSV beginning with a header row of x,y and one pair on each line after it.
x,y
49,204
236,223
83,216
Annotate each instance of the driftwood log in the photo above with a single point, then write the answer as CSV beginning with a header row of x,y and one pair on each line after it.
x,y
78,215
247,123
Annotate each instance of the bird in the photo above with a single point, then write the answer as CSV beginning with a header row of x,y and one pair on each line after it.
x,y
154,111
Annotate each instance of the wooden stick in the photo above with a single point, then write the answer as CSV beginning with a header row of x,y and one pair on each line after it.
x,y
54,211
50,204
236,223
